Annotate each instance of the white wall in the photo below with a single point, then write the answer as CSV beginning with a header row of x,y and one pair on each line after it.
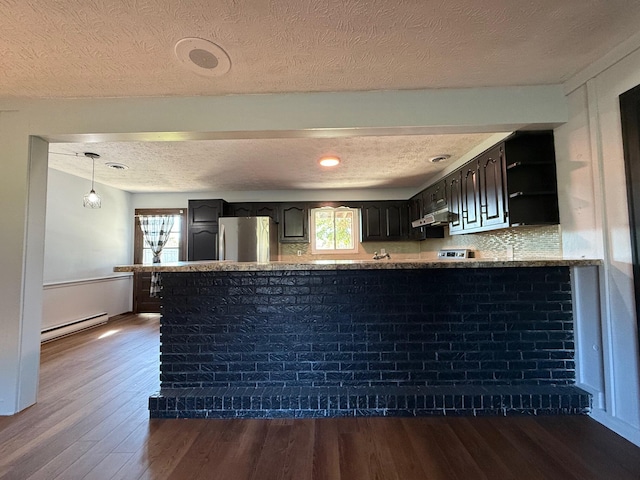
x,y
82,245
595,223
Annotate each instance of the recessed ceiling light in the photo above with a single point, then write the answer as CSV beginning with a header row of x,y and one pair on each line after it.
x,y
202,57
440,158
330,161
117,166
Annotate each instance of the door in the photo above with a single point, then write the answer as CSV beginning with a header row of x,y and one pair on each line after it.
x,y
630,117
173,251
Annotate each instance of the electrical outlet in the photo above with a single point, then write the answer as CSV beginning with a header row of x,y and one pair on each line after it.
x,y
299,253
383,251
509,252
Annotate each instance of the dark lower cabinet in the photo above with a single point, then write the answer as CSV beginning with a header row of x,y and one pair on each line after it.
x,y
384,221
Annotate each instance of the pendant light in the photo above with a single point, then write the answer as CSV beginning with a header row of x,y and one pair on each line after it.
x,y
92,199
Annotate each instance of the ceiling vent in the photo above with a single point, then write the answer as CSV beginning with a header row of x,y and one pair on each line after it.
x,y
440,158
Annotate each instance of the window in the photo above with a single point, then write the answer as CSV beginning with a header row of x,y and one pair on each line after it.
x,y
334,230
175,248
171,250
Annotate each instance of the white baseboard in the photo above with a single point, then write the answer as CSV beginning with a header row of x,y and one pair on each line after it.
x,y
74,326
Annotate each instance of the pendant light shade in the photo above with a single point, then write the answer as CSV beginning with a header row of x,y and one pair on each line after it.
x,y
92,199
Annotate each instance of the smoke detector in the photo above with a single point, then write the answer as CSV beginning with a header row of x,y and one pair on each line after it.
x,y
202,57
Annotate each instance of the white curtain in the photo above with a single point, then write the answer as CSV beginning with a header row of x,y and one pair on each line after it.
x,y
156,230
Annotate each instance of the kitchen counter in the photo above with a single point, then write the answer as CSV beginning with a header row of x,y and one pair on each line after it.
x,y
228,266
367,337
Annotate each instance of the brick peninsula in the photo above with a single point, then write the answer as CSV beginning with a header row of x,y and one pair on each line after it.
x,y
355,338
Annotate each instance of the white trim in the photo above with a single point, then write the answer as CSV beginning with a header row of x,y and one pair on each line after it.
x,y
83,281
355,233
605,62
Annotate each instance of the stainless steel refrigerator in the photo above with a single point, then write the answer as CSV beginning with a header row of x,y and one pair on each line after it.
x,y
247,239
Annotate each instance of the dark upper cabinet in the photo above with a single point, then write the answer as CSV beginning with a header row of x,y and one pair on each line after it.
x,y
454,200
470,195
532,190
482,192
255,209
512,184
294,223
267,210
492,190
416,211
203,212
384,221
202,228
435,196
241,210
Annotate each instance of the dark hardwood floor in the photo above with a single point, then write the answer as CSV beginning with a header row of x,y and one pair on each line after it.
x,y
91,422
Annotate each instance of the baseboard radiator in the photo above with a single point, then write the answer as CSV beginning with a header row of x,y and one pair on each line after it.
x,y
74,326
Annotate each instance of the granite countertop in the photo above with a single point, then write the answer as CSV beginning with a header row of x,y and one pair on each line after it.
x,y
229,266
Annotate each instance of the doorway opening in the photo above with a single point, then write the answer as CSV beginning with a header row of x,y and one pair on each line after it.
x,y
175,250
630,118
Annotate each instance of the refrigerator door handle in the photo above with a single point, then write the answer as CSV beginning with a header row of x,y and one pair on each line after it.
x,y
221,245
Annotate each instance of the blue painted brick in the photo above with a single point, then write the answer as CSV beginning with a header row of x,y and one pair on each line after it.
x,y
369,316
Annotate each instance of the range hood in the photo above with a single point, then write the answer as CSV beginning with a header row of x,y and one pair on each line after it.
x,y
433,219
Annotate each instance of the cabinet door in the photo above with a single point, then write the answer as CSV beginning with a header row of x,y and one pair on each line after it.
x,y
241,210
396,218
415,212
385,221
372,223
470,197
205,211
439,198
294,223
203,243
492,192
429,199
454,201
267,210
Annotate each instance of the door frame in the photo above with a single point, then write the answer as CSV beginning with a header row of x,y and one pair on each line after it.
x,y
138,241
630,120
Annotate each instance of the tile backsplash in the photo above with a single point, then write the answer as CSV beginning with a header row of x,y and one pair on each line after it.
x,y
510,243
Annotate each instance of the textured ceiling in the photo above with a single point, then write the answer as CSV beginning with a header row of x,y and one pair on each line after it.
x,y
101,48
264,164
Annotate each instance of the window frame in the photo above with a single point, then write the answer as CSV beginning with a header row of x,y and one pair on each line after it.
x,y
139,237
355,232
